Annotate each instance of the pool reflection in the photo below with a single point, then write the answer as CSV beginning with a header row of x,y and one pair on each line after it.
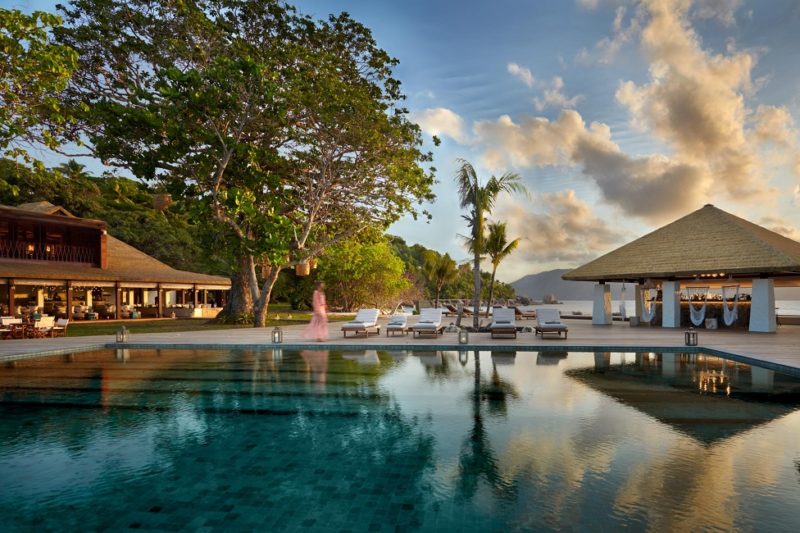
x,y
466,440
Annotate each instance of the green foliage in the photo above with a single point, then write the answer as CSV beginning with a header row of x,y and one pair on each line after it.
x,y
439,271
358,275
497,248
33,72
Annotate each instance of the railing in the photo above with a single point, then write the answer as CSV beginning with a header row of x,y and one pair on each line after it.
x,y
38,251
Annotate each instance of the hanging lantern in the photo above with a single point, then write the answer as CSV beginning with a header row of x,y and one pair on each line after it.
x,y
463,337
302,268
312,263
690,337
277,335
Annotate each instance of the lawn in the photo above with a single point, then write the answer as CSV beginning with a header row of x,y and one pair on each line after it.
x,y
280,315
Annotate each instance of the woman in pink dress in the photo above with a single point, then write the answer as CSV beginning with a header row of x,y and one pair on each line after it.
x,y
318,328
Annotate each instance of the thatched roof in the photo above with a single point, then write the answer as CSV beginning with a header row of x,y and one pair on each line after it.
x,y
124,264
707,241
46,208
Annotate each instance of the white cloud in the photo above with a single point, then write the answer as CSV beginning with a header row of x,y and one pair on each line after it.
x,y
607,48
521,73
441,121
797,195
558,227
553,97
723,11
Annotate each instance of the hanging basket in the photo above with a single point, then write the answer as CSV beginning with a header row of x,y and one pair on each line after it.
x,y
302,269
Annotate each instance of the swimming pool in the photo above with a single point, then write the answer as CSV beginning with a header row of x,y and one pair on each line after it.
x,y
385,441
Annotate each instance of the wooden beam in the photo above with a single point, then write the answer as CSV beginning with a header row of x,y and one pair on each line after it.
x,y
69,299
117,301
11,310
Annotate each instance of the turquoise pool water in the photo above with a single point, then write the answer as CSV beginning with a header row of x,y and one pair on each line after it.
x,y
397,441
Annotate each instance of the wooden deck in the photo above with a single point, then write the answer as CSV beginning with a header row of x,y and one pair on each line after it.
x,y
780,351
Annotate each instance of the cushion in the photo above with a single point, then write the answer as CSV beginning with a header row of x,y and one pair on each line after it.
x,y
553,322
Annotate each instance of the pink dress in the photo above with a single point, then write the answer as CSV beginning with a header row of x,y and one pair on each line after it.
x,y
318,327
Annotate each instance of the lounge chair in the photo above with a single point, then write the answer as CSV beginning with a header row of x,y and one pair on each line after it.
x,y
525,312
60,328
366,320
429,323
503,322
549,321
397,324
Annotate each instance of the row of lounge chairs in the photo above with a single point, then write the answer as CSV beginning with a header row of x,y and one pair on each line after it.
x,y
429,322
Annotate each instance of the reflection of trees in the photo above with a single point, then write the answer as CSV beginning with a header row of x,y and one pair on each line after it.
x,y
477,461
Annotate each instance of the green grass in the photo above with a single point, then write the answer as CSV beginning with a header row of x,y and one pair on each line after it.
x,y
279,316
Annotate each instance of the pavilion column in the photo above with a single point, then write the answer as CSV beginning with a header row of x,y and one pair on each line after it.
x,y
601,305
117,301
637,300
69,299
11,309
40,300
195,295
160,300
602,360
671,304
762,306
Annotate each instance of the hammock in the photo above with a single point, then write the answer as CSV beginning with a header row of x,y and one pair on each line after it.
x,y
622,311
730,314
648,305
697,315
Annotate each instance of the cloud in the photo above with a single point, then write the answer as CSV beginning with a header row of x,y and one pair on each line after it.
x,y
797,195
522,73
607,48
779,225
653,187
559,228
723,11
441,121
553,97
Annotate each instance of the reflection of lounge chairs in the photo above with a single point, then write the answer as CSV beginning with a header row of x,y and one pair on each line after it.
x,y
366,320
550,358
429,358
549,321
504,358
503,322
429,323
368,357
397,324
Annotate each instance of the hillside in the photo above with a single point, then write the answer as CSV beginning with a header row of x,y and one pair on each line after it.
x,y
535,286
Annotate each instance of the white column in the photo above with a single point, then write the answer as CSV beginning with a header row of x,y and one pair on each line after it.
x,y
39,299
601,307
88,298
671,304
762,306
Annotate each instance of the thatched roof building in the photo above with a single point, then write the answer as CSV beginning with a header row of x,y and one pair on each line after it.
x,y
708,248
706,244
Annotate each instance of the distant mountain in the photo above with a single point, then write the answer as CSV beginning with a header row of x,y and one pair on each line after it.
x,y
536,286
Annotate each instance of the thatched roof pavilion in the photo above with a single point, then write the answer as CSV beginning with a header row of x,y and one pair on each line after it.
x,y
708,247
707,244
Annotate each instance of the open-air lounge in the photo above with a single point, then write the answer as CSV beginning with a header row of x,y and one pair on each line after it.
x,y
55,264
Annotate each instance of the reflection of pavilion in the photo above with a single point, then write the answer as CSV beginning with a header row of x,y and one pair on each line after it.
x,y
706,397
550,358
365,357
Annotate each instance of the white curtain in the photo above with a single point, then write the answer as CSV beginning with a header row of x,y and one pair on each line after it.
x,y
648,304
697,294
730,313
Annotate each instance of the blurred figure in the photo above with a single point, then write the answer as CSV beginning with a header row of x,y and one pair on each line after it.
x,y
318,327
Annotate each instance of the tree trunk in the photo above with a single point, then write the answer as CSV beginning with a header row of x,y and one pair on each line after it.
x,y
491,291
240,299
262,304
438,291
476,297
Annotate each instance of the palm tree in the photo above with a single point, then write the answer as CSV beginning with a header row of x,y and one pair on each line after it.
x,y
479,200
73,170
497,248
440,270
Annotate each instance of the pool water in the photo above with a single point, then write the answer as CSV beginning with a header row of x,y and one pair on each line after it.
x,y
397,441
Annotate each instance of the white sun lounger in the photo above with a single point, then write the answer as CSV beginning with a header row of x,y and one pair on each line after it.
x,y
503,322
397,324
429,322
365,320
549,321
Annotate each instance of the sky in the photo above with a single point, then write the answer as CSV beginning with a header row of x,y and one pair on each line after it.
x,y
619,115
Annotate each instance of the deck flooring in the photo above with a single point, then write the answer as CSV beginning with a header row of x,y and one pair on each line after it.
x,y
780,351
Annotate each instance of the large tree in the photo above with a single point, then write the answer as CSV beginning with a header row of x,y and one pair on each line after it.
x,y
479,200
285,130
439,270
497,248
33,72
